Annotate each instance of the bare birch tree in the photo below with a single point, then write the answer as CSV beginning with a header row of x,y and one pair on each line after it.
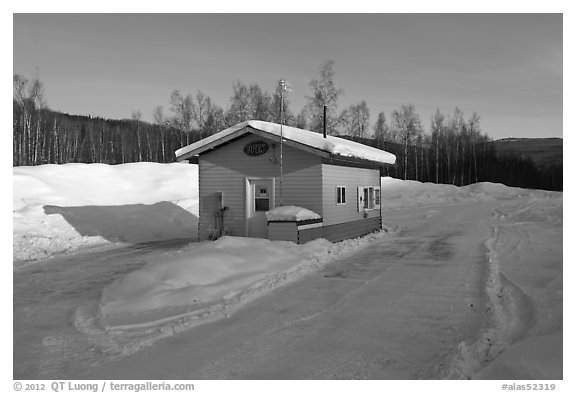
x,y
407,125
381,130
324,93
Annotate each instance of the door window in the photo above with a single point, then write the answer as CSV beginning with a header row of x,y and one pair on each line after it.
x,y
261,199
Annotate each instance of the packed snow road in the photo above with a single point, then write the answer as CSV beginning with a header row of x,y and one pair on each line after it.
x,y
48,294
396,309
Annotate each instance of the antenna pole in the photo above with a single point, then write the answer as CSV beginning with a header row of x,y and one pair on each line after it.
x,y
324,124
282,88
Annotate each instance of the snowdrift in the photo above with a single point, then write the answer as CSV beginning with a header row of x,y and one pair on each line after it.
x,y
60,208
210,279
210,273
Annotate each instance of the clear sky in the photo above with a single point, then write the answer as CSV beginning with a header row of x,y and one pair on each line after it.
x,y
506,67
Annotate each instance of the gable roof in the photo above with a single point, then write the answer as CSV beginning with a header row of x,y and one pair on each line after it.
x,y
311,141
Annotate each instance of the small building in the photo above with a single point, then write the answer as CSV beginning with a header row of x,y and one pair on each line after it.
x,y
245,172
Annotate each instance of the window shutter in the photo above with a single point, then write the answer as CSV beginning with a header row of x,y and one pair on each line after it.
x,y
377,197
360,199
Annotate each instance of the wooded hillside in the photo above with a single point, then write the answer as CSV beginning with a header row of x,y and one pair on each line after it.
x,y
453,151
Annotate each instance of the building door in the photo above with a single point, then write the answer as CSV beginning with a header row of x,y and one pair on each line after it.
x,y
260,199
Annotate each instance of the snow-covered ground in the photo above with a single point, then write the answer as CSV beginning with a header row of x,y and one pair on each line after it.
x,y
62,208
67,207
524,280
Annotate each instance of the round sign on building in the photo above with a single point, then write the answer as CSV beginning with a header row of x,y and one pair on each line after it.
x,y
256,148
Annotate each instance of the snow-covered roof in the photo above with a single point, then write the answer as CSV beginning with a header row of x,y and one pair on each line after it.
x,y
331,144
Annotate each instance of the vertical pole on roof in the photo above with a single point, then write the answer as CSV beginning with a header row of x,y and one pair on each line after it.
x,y
282,89
284,86
324,121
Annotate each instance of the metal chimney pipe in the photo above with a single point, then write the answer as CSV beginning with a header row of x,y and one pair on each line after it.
x,y
324,121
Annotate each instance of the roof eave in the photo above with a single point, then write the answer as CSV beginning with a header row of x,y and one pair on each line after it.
x,y
211,145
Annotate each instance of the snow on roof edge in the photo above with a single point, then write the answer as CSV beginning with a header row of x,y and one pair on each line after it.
x,y
212,138
331,144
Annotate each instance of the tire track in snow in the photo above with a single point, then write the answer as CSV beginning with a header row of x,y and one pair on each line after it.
x,y
86,322
335,307
92,348
510,313
266,346
53,356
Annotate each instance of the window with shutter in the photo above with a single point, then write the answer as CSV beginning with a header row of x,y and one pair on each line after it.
x,y
360,196
369,198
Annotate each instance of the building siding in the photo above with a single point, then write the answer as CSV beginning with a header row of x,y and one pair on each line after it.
x,y
349,230
351,178
226,168
338,232
283,231
306,235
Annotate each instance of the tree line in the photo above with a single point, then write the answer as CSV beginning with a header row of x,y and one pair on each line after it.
x,y
43,136
453,151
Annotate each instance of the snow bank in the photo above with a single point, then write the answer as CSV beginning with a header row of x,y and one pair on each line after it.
x,y
502,192
291,213
60,208
102,184
213,277
401,193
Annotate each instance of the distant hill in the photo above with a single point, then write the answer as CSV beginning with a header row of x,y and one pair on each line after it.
x,y
544,152
534,163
